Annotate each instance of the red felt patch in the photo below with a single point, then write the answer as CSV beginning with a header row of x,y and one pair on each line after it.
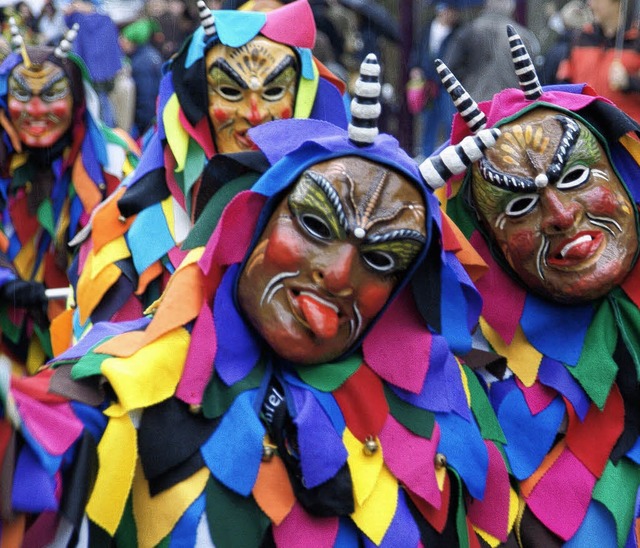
x,y
437,517
362,401
591,441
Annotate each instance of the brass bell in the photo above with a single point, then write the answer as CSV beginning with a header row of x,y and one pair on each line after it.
x,y
370,446
268,451
440,461
195,408
122,218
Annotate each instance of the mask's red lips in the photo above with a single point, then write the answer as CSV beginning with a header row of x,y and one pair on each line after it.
x,y
576,250
320,315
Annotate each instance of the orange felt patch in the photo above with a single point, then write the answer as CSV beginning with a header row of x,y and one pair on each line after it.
x,y
61,331
273,491
106,225
151,273
85,187
180,303
13,532
454,240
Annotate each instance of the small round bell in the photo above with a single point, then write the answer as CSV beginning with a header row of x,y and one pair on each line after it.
x,y
440,461
268,451
195,408
370,446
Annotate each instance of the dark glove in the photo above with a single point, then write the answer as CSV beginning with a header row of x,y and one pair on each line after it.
x,y
23,294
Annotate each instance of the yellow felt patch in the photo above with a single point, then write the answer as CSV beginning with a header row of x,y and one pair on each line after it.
x,y
306,95
522,358
35,356
465,382
90,291
151,374
156,516
111,252
375,515
177,137
26,258
117,461
365,469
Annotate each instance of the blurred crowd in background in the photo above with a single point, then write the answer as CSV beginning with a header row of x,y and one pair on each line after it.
x,y
125,42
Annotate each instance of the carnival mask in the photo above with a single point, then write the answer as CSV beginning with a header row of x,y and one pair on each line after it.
x,y
248,86
555,207
330,256
40,103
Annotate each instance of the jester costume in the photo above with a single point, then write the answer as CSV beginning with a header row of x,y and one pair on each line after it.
x,y
568,398
48,191
205,436
135,238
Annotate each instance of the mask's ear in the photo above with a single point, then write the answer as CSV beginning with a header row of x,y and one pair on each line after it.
x,y
222,169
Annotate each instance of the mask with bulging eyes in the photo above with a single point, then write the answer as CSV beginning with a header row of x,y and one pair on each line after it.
x,y
248,86
330,257
552,202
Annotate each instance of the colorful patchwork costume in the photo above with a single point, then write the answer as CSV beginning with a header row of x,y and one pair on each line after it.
x,y
569,399
49,185
136,237
185,428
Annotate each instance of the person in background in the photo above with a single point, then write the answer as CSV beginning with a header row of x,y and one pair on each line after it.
x,y
58,161
211,94
606,54
572,17
97,44
476,55
146,70
437,111
50,26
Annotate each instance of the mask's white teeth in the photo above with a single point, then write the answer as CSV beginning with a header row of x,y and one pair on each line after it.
x,y
577,241
320,300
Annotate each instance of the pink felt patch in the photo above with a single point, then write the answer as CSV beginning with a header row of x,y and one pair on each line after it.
x,y
232,236
301,529
538,396
503,299
411,459
198,366
398,346
131,310
561,497
54,426
176,256
291,24
492,513
170,165
201,133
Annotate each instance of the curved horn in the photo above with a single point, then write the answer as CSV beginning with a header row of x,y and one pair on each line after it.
x,y
365,107
525,71
454,159
66,44
16,38
206,19
464,103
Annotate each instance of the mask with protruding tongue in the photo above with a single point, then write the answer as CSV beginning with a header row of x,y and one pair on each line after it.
x,y
321,317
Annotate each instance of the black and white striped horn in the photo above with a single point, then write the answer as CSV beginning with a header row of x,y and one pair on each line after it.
x,y
365,106
66,44
455,159
525,71
465,105
16,38
206,19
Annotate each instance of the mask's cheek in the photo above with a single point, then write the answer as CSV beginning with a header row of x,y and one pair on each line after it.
x,y
520,244
285,247
372,295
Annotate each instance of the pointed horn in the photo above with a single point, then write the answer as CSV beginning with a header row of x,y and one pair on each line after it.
x,y
465,105
16,38
454,159
365,107
66,44
525,71
206,19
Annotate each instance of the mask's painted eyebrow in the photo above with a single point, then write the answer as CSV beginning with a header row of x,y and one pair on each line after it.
x,y
230,72
332,195
395,235
283,65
